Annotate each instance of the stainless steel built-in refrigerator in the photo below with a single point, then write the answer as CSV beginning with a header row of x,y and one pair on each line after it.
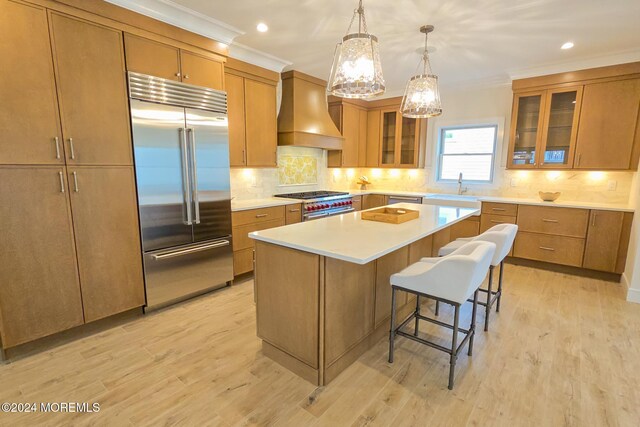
x,y
181,146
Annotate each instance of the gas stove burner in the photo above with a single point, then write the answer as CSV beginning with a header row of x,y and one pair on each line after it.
x,y
305,195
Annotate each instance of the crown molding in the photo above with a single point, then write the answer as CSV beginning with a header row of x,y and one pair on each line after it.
x,y
257,57
182,17
615,58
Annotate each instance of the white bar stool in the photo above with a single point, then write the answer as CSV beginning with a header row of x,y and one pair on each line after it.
x,y
452,279
502,235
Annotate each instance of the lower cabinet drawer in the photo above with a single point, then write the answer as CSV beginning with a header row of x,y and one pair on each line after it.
x,y
555,249
241,238
242,261
553,220
489,220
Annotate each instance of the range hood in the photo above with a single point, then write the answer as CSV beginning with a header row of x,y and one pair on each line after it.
x,y
304,117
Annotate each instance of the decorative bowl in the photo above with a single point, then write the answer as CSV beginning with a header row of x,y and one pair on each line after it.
x,y
548,196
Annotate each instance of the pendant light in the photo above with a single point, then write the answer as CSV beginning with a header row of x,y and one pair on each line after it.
x,y
422,97
356,71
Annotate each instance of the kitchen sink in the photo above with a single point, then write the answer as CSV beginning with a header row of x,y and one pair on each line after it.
x,y
456,200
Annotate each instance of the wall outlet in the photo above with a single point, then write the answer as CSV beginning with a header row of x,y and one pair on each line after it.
x,y
514,182
612,185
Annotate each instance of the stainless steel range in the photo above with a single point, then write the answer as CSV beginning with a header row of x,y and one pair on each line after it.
x,y
320,204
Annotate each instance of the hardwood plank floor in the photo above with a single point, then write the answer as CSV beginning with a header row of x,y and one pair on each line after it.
x,y
564,350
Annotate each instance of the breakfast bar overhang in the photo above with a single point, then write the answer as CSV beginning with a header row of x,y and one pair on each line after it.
x,y
322,287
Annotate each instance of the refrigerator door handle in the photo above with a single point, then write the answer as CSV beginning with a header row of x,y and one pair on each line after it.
x,y
200,248
191,135
186,186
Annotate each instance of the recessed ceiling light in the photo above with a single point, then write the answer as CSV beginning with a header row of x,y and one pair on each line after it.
x,y
262,27
567,45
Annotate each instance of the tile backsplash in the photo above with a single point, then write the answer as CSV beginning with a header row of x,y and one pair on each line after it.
x,y
587,186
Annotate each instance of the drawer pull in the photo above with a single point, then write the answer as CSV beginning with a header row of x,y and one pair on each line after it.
x,y
261,215
544,248
294,210
497,222
498,209
549,220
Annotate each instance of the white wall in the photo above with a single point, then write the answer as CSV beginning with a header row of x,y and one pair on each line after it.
x,y
631,275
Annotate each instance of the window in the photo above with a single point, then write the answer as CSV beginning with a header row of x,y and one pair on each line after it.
x,y
469,150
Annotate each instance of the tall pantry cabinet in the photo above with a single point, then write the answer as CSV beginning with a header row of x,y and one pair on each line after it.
x,y
70,239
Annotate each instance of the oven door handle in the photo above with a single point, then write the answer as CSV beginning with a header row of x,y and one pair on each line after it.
x,y
318,215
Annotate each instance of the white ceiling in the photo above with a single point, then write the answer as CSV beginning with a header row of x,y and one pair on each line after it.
x,y
474,40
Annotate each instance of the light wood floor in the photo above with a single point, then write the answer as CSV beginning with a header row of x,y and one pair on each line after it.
x,y
564,350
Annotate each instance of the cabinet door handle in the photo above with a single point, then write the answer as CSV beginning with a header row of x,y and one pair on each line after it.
x,y
57,142
244,156
294,210
544,248
261,215
75,181
186,76
549,220
178,74
61,182
73,151
593,219
579,157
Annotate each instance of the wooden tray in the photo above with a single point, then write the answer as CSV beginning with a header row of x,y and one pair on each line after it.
x,y
390,215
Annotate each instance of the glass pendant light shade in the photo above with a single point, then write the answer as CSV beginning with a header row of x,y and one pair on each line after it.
x,y
356,71
422,96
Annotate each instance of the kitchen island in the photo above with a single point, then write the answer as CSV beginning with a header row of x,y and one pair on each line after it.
x,y
322,287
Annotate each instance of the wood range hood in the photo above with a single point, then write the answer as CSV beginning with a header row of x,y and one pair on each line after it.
x,y
304,117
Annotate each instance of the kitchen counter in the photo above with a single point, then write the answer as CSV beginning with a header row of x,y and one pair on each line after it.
x,y
239,205
243,205
349,238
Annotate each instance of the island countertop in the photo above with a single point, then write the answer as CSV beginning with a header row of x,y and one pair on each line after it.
x,y
349,238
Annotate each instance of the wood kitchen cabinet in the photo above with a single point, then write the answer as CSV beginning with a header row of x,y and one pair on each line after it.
x,y
29,120
93,93
609,132
158,59
351,121
544,128
40,292
605,238
105,222
253,137
586,119
293,213
370,201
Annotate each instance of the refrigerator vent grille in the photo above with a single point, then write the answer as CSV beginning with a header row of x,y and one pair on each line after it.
x,y
164,91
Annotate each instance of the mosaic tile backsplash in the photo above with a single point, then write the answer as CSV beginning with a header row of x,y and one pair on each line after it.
x,y
297,170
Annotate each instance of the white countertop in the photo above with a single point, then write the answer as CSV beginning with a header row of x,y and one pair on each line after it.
x,y
349,238
239,205
243,205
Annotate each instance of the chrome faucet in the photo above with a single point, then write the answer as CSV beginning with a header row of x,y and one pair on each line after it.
x,y
460,189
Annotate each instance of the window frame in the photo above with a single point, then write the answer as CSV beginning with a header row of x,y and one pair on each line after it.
x,y
440,154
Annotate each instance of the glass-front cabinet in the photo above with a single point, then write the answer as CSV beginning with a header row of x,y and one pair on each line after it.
x,y
544,128
399,144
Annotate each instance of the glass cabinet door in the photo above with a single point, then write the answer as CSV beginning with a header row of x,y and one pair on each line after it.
x,y
409,142
527,130
388,143
560,128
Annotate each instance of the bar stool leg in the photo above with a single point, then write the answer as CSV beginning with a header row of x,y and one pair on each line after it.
x,y
415,333
437,307
454,346
500,287
392,332
472,329
489,294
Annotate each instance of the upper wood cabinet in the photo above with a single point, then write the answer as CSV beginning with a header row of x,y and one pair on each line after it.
x,y
40,292
544,128
351,121
399,140
251,104
586,119
150,57
93,93
609,130
29,119
105,222
153,58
